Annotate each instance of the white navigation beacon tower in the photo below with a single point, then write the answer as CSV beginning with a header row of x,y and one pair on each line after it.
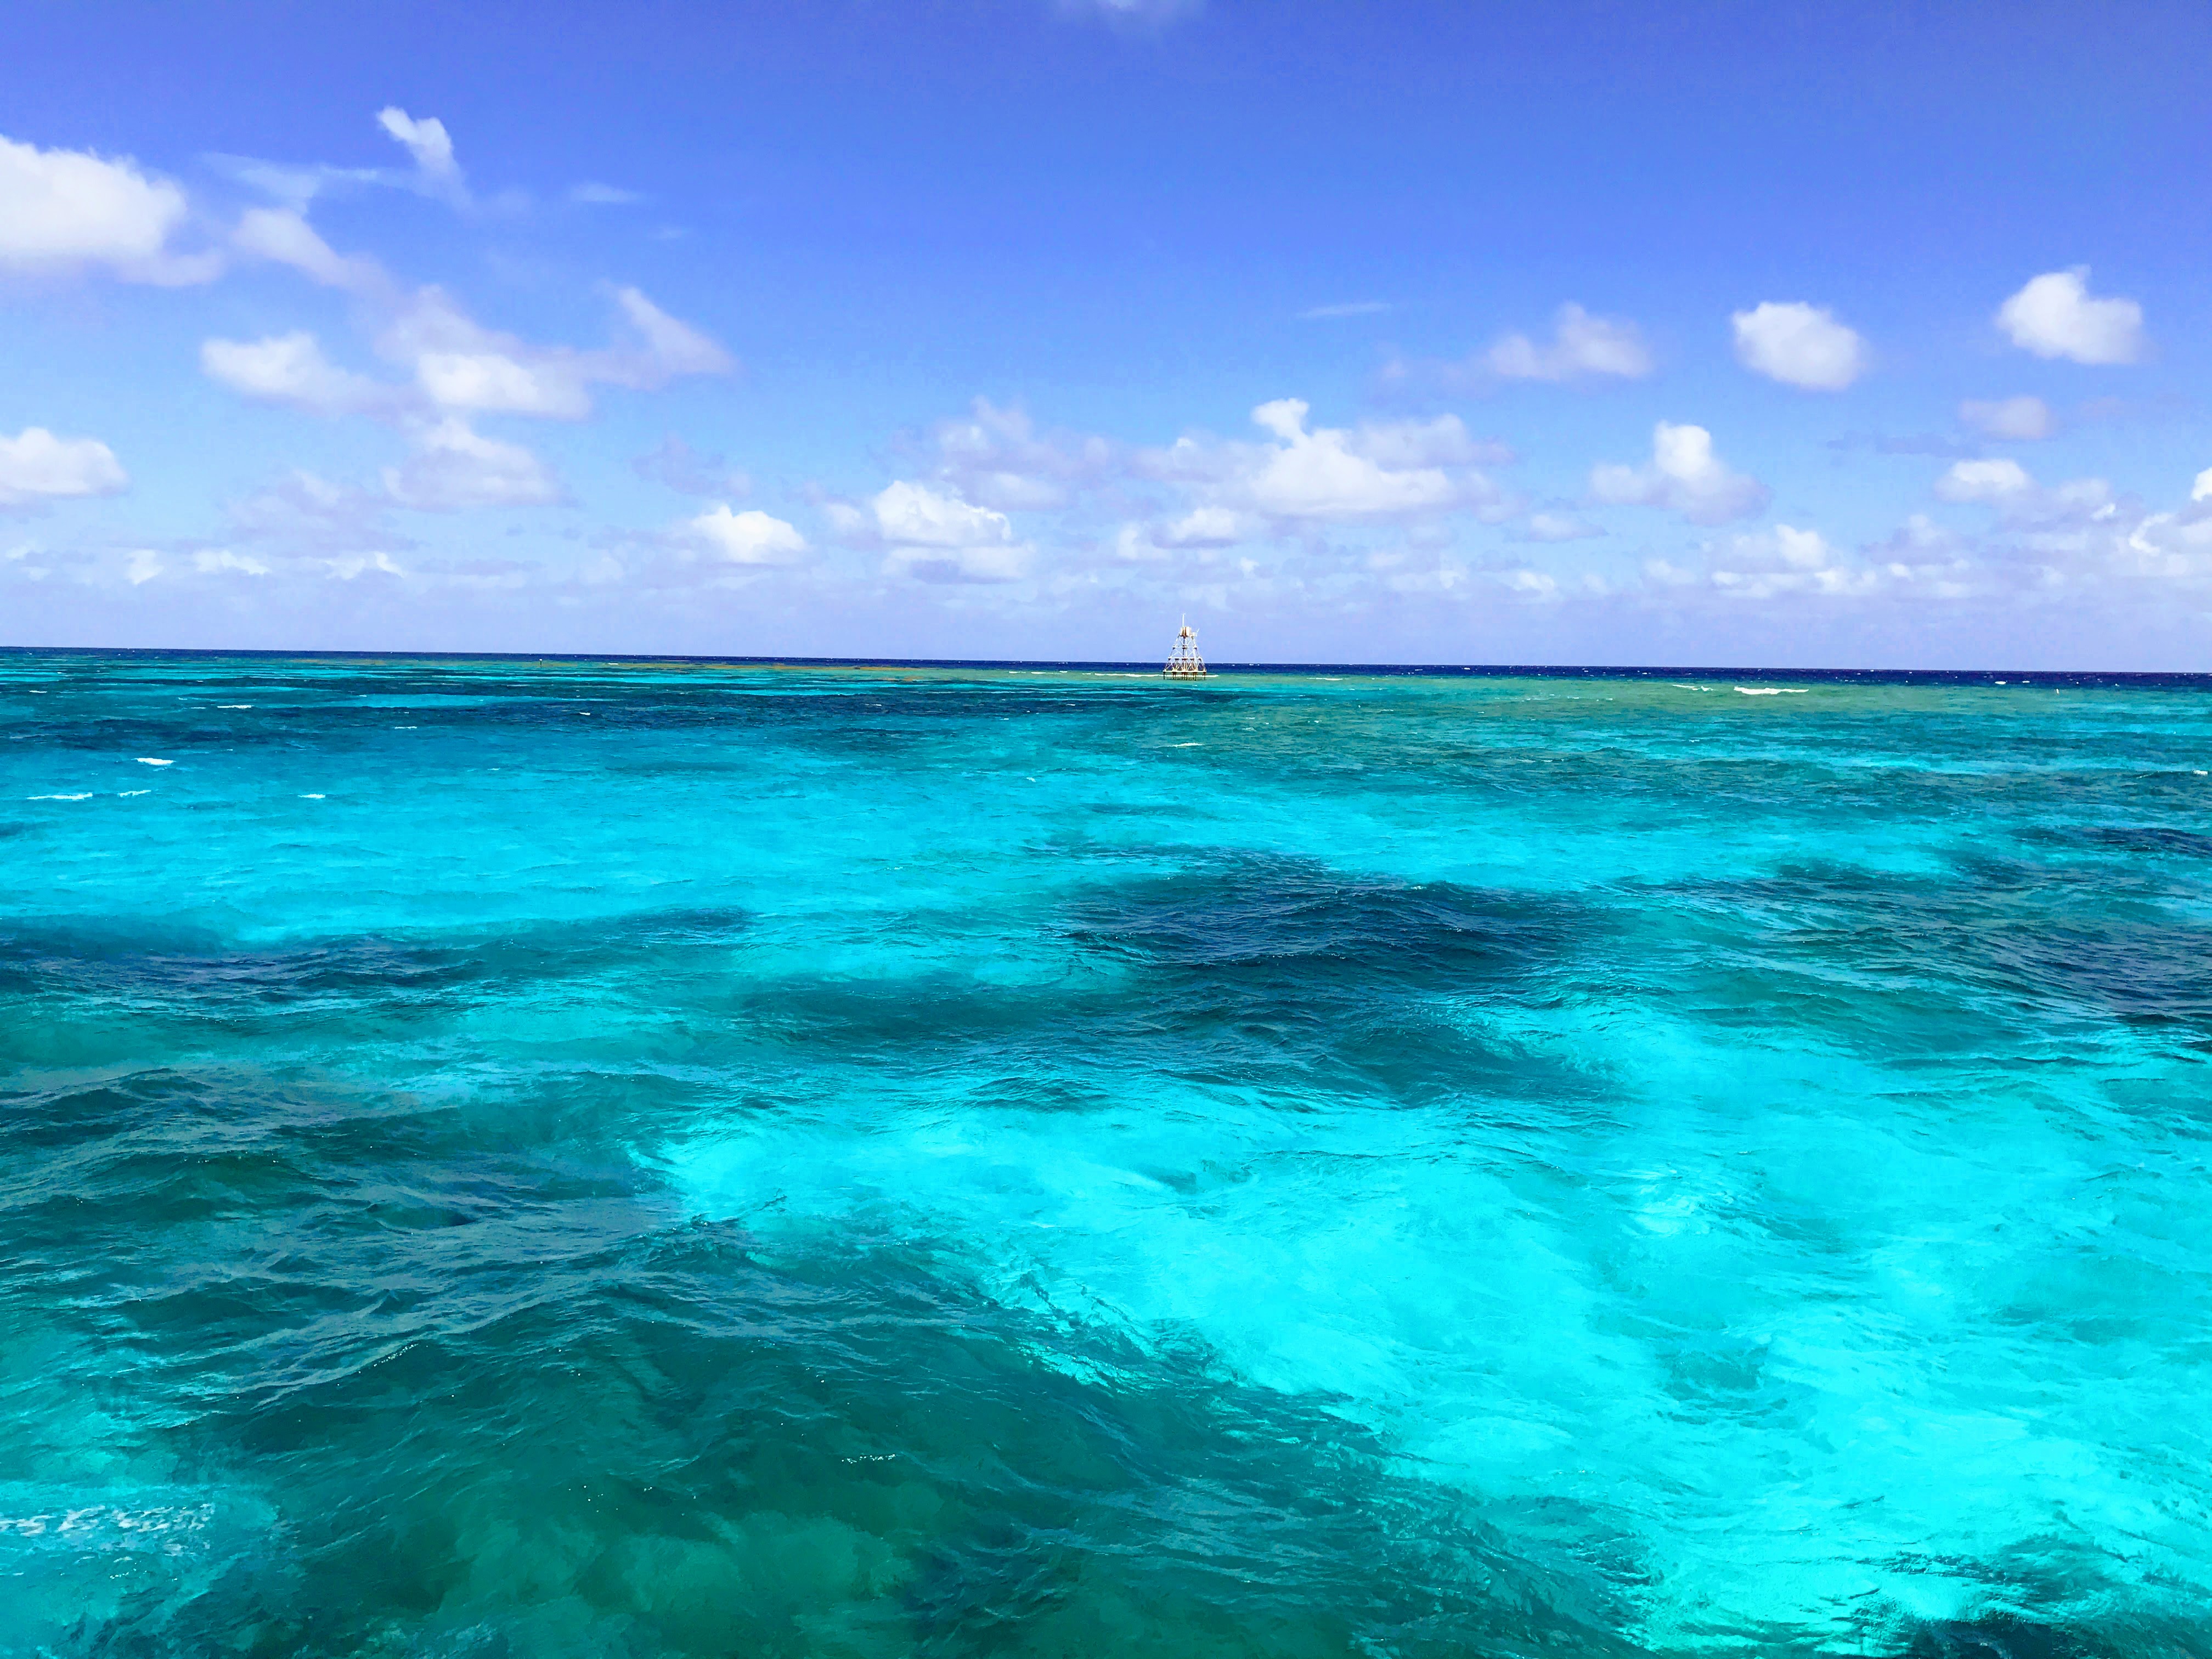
x,y
1183,662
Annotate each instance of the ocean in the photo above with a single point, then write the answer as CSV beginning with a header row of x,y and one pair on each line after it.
x,y
540,1158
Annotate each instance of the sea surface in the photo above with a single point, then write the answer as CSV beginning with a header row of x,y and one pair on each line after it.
x,y
504,1158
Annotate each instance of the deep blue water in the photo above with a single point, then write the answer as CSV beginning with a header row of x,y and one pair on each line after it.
x,y
508,1157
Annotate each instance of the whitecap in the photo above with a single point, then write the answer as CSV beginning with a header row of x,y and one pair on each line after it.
x,y
86,796
314,797
234,705
148,760
1771,690
125,794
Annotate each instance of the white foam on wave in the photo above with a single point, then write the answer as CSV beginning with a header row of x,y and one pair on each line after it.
x,y
148,760
106,1525
125,794
234,705
1772,691
314,797
86,796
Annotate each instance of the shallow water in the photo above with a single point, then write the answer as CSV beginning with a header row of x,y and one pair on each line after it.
x,y
520,1158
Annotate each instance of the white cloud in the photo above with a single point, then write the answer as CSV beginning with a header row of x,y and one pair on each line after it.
x,y
669,349
290,370
2053,316
937,536
1582,344
1390,469
2019,418
996,456
1791,561
1205,526
61,209
749,538
216,561
283,237
1325,475
1684,475
432,147
345,569
915,515
2001,480
1354,308
589,194
455,466
1798,344
142,567
37,466
2021,502
493,382
2203,490
458,364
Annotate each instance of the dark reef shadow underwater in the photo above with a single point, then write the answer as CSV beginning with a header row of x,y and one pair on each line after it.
x,y
511,1158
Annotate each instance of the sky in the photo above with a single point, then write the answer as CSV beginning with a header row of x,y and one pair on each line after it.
x,y
1783,335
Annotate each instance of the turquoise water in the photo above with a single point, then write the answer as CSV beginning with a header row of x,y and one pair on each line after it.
x,y
568,1158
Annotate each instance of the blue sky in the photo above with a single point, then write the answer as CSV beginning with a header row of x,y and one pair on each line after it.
x,y
1701,333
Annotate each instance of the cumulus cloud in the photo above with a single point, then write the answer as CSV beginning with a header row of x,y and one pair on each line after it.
x,y
455,466
1204,528
1799,345
65,210
1581,345
2054,316
290,370
996,455
2203,490
749,538
2000,480
2005,484
36,466
1379,471
2020,418
935,536
1789,560
1684,476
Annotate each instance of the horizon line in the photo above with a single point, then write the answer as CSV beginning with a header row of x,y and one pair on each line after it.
x,y
1599,671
